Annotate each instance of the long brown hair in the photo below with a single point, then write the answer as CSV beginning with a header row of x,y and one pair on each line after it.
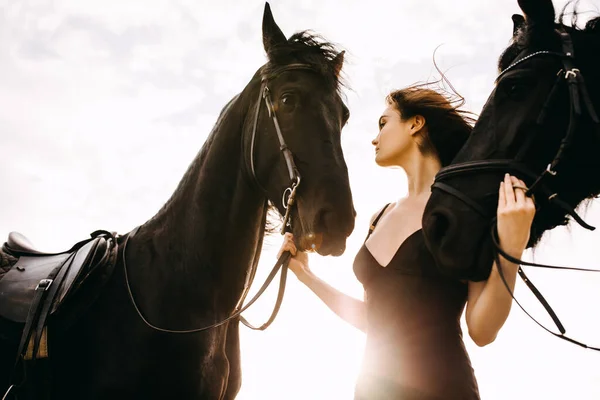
x,y
447,127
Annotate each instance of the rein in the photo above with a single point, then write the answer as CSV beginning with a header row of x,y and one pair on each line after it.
x,y
281,262
288,201
578,95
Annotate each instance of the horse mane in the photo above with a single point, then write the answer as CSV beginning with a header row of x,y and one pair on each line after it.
x,y
309,48
522,38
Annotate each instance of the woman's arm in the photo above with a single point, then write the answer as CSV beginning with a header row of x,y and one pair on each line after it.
x,y
489,303
351,310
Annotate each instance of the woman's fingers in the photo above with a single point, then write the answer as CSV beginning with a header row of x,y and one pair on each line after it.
x,y
518,189
509,192
288,245
501,196
529,200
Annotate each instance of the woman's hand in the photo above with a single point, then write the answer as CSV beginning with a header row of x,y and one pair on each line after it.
x,y
515,215
299,261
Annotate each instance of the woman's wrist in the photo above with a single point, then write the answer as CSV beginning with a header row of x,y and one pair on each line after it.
x,y
513,250
306,276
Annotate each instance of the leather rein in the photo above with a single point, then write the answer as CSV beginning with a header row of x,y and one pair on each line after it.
x,y
288,201
578,94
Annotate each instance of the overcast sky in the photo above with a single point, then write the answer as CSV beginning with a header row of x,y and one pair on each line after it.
x,y
103,105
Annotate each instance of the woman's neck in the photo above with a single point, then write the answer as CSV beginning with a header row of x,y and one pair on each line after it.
x,y
420,171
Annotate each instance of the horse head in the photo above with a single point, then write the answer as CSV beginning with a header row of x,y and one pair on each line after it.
x,y
292,139
540,123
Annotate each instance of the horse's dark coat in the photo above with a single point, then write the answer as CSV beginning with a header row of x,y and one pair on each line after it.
x,y
457,235
188,264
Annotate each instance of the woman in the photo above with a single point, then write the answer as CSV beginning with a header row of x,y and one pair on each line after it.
x,y
411,313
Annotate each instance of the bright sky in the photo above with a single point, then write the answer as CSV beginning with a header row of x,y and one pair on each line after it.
x,y
103,105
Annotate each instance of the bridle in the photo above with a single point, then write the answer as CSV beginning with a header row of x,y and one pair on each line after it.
x,y
294,175
578,95
288,201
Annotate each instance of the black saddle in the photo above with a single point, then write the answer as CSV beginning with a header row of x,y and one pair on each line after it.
x,y
39,283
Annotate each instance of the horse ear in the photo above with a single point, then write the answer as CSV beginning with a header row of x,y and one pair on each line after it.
x,y
272,35
593,25
338,62
538,12
518,23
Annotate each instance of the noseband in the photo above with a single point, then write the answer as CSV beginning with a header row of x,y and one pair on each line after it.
x,y
578,94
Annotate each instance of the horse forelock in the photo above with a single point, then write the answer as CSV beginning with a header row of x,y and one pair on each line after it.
x,y
308,48
526,38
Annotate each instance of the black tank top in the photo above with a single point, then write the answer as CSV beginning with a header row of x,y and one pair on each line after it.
x,y
414,346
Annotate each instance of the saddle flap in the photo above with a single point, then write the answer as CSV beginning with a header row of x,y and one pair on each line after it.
x,y
17,287
85,259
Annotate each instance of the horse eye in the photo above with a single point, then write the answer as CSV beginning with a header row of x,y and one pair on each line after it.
x,y
288,99
516,90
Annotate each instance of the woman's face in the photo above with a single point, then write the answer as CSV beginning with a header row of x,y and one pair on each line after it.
x,y
395,139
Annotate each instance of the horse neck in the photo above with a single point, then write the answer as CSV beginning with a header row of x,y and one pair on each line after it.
x,y
201,244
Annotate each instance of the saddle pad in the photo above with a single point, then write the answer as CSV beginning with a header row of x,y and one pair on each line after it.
x,y
18,285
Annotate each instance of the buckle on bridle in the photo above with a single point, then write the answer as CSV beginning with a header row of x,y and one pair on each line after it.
x,y
287,204
549,170
572,72
44,284
292,193
267,97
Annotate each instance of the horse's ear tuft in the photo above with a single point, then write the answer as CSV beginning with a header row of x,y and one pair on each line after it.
x,y
338,62
539,13
272,35
593,25
518,23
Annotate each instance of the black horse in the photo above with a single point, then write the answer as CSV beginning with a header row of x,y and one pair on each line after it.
x,y
188,266
540,123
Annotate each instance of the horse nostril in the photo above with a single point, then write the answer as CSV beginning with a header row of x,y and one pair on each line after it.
x,y
320,218
439,227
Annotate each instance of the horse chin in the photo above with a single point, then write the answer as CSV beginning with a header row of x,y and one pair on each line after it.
x,y
322,245
334,249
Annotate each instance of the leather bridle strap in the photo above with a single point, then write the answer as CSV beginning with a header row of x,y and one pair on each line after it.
x,y
280,293
577,94
290,192
462,197
281,262
503,166
294,175
534,290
